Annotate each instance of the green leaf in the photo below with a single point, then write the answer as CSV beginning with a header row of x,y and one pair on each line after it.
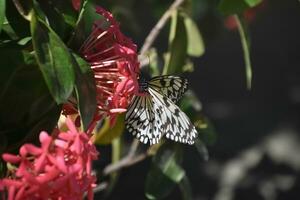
x,y
165,172
61,16
2,13
185,188
116,156
107,133
201,148
54,59
195,44
243,31
85,91
177,55
153,59
230,7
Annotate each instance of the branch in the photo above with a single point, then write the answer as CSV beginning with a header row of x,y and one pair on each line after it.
x,y
157,28
128,160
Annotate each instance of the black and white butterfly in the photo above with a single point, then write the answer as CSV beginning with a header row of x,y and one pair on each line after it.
x,y
154,113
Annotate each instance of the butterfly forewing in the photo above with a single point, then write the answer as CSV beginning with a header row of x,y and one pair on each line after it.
x,y
172,87
140,119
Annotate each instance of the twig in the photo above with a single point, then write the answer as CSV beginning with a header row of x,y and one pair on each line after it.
x,y
128,160
125,162
157,28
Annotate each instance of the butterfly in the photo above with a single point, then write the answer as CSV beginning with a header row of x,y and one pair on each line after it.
x,y
153,113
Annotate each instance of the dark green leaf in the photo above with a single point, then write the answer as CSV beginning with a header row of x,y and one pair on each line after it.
x,y
185,188
2,13
230,7
85,91
165,172
201,148
61,16
25,102
84,24
15,25
177,55
54,59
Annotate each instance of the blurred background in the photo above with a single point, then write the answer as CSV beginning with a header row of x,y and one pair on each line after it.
x,y
255,153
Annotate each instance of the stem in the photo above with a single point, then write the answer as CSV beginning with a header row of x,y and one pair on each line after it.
x,y
246,50
159,25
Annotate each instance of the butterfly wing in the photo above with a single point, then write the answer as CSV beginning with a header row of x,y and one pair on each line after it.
x,y
155,114
174,123
142,120
172,87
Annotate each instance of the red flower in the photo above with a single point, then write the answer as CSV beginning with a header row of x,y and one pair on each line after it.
x,y
113,59
249,15
59,169
76,4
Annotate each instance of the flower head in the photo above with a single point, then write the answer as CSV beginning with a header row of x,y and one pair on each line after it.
x,y
113,59
59,169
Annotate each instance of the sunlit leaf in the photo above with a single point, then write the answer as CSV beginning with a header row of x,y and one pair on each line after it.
x,y
2,13
85,91
153,62
195,44
189,66
107,133
177,54
54,59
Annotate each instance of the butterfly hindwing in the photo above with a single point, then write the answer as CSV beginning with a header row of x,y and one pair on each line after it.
x,y
176,123
172,87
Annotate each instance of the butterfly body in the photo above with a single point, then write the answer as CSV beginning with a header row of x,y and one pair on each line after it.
x,y
153,113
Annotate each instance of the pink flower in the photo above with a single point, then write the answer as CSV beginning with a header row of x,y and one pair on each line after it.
x,y
113,59
59,169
